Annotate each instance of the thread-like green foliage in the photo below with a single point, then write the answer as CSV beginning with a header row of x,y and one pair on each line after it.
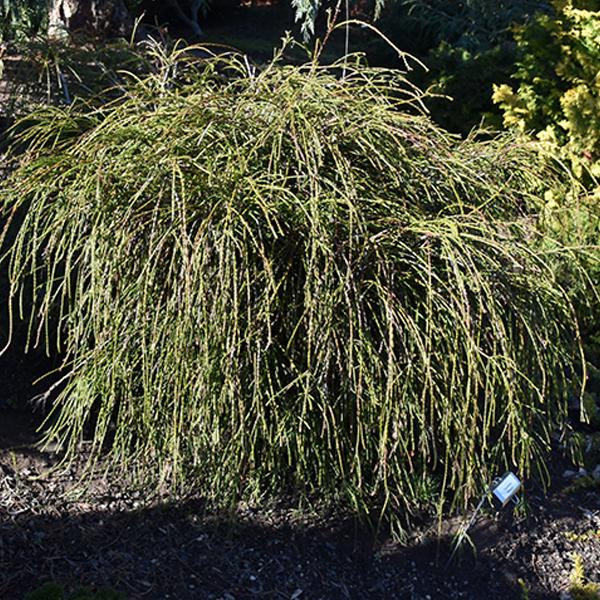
x,y
288,280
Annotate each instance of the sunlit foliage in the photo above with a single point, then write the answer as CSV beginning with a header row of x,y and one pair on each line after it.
x,y
289,281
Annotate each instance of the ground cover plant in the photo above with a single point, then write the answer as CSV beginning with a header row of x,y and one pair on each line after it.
x,y
289,280
22,19
52,591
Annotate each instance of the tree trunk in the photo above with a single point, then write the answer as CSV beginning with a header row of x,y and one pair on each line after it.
x,y
190,21
104,18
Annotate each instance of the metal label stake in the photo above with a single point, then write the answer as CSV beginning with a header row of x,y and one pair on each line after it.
x,y
504,490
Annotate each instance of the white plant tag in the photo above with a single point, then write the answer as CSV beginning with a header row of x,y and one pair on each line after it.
x,y
508,486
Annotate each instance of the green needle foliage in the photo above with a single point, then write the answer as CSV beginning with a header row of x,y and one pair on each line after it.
x,y
289,281
22,19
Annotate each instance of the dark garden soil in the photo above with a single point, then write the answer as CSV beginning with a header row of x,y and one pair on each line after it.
x,y
167,548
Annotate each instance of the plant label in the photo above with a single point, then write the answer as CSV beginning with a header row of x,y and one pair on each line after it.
x,y
506,488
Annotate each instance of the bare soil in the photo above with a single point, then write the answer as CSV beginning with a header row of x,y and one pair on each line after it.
x,y
105,535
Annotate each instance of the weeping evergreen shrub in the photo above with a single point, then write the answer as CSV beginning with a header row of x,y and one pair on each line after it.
x,y
288,280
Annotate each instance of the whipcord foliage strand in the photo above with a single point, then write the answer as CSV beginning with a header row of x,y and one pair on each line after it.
x,y
289,281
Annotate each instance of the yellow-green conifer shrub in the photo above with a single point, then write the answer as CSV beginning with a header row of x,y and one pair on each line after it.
x,y
556,100
557,96
580,588
288,280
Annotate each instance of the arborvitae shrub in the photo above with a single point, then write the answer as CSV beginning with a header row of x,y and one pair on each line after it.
x,y
556,100
557,96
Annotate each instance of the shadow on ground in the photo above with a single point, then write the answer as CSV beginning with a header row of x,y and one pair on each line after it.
x,y
177,551
108,537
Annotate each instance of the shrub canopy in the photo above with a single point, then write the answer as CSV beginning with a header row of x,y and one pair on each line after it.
x,y
289,280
